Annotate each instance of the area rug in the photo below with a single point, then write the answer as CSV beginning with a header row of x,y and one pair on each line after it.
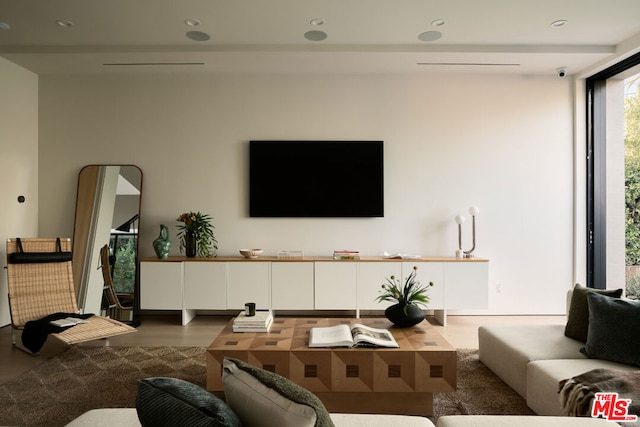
x,y
84,378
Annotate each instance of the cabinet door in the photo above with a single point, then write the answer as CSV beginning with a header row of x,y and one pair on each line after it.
x,y
429,272
161,285
205,285
292,285
248,281
371,276
336,285
467,284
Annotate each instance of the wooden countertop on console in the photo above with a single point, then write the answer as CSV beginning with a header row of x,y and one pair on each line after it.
x,y
312,259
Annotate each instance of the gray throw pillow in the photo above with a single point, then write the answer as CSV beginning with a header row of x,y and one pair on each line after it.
x,y
578,319
174,402
257,395
614,328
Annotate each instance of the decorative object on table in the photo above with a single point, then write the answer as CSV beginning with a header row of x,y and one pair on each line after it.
x,y
251,253
190,244
162,245
346,254
289,254
196,235
406,312
388,255
461,253
250,309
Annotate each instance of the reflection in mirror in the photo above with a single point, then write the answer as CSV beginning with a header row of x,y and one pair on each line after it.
x,y
107,212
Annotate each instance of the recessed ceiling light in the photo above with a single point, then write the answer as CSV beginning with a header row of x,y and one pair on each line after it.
x,y
4,26
429,36
192,22
317,22
438,22
198,36
559,23
64,23
315,36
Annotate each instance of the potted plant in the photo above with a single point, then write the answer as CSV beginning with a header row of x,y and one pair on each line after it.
x,y
408,298
196,235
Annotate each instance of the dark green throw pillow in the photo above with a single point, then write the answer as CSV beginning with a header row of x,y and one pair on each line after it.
x,y
578,319
173,402
614,328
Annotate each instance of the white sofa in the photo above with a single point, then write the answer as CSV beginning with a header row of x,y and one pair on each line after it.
x,y
533,359
127,417
519,421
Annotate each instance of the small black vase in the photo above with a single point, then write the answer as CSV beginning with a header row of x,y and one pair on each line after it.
x,y
398,317
190,244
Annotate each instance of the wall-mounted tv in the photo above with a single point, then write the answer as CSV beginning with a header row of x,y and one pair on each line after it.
x,y
320,179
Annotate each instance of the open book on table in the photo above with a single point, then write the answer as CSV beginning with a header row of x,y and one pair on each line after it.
x,y
351,336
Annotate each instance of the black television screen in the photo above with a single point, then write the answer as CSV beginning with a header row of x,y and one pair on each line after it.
x,y
316,179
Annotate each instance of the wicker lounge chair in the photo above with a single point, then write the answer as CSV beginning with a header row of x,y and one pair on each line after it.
x,y
40,283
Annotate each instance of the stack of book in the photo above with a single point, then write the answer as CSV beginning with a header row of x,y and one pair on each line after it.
x,y
261,322
346,254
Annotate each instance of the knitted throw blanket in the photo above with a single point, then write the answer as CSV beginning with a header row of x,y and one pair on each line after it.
x,y
577,393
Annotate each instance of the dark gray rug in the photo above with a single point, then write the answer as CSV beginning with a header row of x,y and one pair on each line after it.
x,y
84,378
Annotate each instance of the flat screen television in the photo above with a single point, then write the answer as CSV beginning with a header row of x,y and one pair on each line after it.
x,y
320,179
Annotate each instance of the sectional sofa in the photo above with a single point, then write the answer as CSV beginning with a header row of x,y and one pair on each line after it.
x,y
532,359
601,332
127,417
254,397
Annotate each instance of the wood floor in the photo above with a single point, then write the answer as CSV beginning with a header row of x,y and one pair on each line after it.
x,y
161,330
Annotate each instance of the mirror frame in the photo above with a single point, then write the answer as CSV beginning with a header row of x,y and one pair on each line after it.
x,y
87,209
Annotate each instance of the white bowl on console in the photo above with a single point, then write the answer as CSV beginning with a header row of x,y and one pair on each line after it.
x,y
251,253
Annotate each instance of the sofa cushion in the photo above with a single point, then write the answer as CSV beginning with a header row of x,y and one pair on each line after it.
x,y
578,317
544,376
614,328
257,395
507,349
127,417
518,420
379,420
107,417
171,401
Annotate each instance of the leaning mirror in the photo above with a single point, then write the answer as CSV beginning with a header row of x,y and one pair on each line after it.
x,y
107,213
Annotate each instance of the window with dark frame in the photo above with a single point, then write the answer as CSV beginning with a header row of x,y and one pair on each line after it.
x,y
596,233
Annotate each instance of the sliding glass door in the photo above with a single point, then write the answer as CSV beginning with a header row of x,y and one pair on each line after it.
x,y
613,177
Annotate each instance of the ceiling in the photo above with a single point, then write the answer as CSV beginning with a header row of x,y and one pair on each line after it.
x,y
268,36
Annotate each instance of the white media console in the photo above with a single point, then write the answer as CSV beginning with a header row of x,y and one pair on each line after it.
x,y
305,284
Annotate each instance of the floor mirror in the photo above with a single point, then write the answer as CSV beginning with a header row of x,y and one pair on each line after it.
x,y
107,213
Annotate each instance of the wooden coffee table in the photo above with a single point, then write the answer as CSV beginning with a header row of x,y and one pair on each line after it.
x,y
348,380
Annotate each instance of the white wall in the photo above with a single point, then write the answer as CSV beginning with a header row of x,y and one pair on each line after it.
x,y
503,143
18,162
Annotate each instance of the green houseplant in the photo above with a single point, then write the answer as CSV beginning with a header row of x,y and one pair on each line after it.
x,y
408,298
196,235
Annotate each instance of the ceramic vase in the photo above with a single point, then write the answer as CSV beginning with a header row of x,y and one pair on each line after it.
x,y
190,244
162,245
396,314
